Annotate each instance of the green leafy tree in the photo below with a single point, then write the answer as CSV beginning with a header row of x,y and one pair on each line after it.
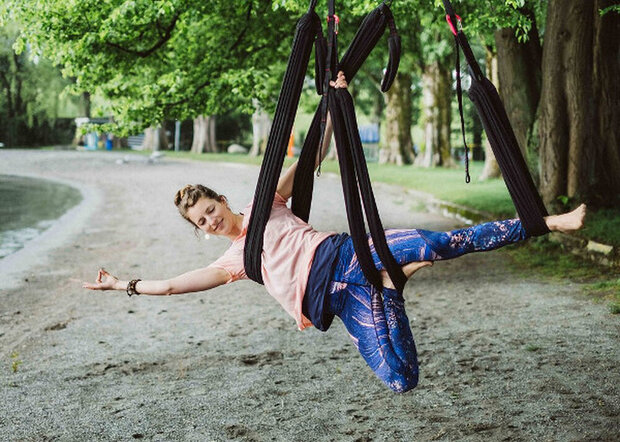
x,y
31,99
558,75
156,60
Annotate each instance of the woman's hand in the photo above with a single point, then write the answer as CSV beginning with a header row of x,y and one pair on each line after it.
x,y
105,281
340,83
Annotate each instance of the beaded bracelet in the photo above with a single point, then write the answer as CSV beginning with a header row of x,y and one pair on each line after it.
x,y
131,287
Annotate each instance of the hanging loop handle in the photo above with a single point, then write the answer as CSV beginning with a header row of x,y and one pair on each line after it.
x,y
336,22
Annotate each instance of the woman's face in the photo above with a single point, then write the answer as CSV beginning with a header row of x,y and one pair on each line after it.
x,y
212,216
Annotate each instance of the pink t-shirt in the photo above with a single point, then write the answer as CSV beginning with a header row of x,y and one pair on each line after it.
x,y
288,251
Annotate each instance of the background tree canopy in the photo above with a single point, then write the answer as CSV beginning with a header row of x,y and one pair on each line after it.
x,y
554,63
156,60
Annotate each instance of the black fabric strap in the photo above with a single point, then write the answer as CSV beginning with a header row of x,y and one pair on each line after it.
x,y
354,173
501,137
288,101
345,102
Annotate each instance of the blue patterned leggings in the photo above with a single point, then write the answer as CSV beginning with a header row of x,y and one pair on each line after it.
x,y
378,324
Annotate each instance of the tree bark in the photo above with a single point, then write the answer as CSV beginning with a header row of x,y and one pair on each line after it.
x,y
519,73
607,96
86,101
398,147
437,112
491,168
579,127
204,134
154,139
261,125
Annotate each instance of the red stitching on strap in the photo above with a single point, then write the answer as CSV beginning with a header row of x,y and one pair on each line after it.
x,y
452,28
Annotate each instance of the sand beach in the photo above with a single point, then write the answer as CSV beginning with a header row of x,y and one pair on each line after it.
x,y
503,356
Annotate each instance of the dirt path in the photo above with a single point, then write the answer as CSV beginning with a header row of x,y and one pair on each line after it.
x,y
502,357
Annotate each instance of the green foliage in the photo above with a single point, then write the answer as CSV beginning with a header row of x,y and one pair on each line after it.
x,y
30,93
613,8
607,291
603,226
156,60
482,18
551,259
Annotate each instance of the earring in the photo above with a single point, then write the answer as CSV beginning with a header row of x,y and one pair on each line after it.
x,y
207,236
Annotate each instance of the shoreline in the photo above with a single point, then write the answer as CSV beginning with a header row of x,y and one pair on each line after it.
x,y
17,265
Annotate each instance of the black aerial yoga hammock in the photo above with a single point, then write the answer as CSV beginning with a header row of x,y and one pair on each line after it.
x,y
499,131
354,173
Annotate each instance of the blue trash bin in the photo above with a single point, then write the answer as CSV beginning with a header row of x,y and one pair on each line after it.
x,y
108,142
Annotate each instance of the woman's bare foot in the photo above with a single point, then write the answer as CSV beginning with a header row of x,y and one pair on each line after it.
x,y
408,270
567,222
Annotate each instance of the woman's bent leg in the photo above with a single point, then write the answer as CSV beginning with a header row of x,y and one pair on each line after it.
x,y
378,324
380,330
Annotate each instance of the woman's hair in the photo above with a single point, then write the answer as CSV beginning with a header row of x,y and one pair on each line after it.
x,y
189,195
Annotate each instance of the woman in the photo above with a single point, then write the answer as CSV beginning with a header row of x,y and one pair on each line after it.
x,y
315,275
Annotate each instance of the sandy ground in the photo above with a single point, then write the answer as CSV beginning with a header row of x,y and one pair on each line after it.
x,y
502,357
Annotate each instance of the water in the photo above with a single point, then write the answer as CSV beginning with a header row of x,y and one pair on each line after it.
x,y
29,206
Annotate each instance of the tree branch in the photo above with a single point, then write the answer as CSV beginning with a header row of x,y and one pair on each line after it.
x,y
245,28
143,54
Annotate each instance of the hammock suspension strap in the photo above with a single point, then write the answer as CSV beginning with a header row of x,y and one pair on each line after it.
x,y
500,134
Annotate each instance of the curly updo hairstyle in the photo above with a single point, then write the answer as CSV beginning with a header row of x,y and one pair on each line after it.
x,y
189,195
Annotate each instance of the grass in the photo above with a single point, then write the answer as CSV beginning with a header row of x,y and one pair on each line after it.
x,y
552,260
603,226
489,196
446,184
15,362
608,291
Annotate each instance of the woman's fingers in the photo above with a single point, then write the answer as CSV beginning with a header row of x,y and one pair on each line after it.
x,y
104,281
88,285
339,84
341,81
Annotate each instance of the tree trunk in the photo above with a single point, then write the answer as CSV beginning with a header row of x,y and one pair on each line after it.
x,y
491,168
519,72
154,139
606,177
398,147
204,134
261,125
86,101
579,122
437,112
520,76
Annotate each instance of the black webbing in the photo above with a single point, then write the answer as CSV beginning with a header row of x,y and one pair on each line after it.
x,y
355,178
303,183
345,102
368,34
354,172
331,62
501,137
307,28
352,198
366,38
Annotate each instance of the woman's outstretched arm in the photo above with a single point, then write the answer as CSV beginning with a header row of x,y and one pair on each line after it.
x,y
194,281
